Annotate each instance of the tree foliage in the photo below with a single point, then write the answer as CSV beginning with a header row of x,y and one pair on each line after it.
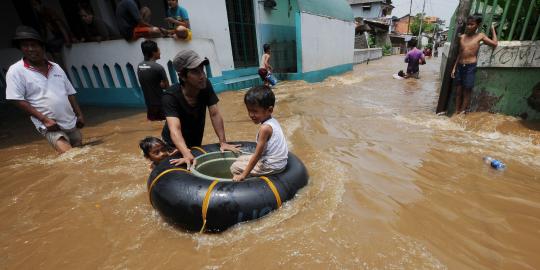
x,y
415,25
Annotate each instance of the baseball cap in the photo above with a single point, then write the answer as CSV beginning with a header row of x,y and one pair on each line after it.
x,y
188,59
24,32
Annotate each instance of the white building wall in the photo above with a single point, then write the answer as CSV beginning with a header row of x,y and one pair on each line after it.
x,y
121,52
326,42
208,19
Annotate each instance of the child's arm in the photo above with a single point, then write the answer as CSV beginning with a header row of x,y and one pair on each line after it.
x,y
264,135
491,42
267,62
453,74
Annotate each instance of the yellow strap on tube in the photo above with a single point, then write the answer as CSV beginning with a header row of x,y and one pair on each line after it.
x,y
199,148
273,188
154,182
206,202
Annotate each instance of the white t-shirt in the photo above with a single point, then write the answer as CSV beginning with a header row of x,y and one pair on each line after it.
x,y
48,95
276,152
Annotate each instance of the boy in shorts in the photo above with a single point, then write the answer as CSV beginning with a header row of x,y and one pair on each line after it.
x,y
464,70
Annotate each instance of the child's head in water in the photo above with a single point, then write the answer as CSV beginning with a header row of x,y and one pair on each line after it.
x,y
401,73
153,149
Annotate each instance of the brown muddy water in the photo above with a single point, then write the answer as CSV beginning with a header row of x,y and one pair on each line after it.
x,y
393,186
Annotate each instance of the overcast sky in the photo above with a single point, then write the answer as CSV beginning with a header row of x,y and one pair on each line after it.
x,y
440,8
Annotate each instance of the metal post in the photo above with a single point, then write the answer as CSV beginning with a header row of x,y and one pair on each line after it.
x,y
463,11
531,7
535,32
421,24
484,9
409,23
493,10
503,20
514,22
477,6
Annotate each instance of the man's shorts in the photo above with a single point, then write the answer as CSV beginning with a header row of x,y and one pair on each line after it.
x,y
73,136
465,75
140,31
263,73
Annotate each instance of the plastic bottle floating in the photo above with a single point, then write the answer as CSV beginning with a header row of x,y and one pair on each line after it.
x,y
494,163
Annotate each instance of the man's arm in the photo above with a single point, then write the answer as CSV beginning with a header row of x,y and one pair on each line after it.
x,y
217,123
453,74
164,84
491,42
176,22
178,139
76,110
219,128
24,105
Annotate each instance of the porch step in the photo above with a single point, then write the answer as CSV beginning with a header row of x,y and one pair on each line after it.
x,y
242,82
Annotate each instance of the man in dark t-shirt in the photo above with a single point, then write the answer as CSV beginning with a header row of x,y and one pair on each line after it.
x,y
184,106
153,80
131,22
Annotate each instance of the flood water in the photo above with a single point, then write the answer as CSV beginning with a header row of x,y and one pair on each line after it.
x,y
392,186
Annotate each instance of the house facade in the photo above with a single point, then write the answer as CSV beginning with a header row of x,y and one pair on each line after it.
x,y
401,25
229,33
370,9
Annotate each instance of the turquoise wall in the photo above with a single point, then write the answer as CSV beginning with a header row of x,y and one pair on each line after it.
x,y
338,9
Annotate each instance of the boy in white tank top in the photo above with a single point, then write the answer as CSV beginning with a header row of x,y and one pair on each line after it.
x,y
271,152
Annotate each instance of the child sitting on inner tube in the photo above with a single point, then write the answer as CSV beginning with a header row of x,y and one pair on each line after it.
x,y
271,151
155,150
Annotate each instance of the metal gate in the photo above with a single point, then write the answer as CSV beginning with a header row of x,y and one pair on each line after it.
x,y
242,29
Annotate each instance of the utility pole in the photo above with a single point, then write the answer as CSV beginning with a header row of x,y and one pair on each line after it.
x,y
421,23
409,24
463,11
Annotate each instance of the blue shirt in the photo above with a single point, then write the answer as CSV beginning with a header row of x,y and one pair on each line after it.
x,y
179,13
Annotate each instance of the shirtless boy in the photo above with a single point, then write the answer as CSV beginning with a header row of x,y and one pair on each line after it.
x,y
465,67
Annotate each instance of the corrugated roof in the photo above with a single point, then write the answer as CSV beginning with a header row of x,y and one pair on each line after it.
x,y
338,9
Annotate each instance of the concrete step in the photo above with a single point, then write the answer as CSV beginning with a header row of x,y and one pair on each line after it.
x,y
242,82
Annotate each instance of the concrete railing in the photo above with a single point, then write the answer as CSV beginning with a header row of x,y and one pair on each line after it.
x,y
364,55
93,62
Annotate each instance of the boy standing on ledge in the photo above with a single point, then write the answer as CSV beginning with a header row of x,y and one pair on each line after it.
x,y
469,44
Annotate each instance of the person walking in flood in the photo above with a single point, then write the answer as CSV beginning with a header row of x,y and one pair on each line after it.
x,y
265,68
184,107
42,89
414,59
464,70
153,79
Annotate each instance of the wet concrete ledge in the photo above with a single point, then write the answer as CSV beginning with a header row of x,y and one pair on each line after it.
x,y
364,55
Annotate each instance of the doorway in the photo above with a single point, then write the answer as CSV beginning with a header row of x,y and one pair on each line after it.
x,y
240,14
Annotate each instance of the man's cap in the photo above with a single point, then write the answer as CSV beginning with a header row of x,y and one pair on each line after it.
x,y
24,32
188,59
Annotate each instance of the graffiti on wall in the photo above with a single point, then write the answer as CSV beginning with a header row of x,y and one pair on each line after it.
x,y
510,54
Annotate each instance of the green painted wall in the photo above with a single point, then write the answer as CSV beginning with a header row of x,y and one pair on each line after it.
x,y
505,90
